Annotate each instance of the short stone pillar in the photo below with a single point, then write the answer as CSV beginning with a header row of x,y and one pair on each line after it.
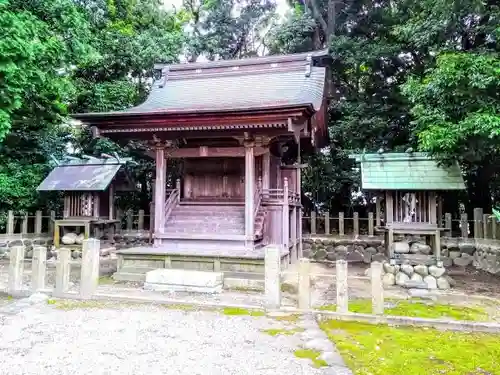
x,y
90,268
63,269
272,276
16,268
342,292
304,284
38,268
377,288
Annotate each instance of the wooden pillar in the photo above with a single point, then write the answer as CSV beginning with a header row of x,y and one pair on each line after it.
x,y
249,189
111,206
161,172
286,217
293,233
266,170
378,211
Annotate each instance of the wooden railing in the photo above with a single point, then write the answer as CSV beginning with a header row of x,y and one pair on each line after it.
x,y
257,198
172,201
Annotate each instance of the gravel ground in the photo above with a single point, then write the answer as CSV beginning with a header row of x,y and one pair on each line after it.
x,y
147,339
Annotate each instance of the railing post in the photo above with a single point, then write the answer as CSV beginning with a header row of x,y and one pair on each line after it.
x,y
178,185
24,223
63,269
327,223
464,225
371,231
342,291
486,218
304,284
355,223
313,222
90,268
16,268
10,222
377,288
51,222
447,224
286,216
493,228
272,276
341,223
38,268
478,226
130,220
140,220
38,222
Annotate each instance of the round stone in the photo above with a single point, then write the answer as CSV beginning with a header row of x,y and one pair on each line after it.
x,y
436,271
401,247
401,278
421,269
69,239
407,268
420,248
442,283
417,278
430,281
388,279
389,268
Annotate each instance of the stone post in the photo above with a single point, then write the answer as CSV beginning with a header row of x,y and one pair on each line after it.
x,y
63,269
478,225
370,224
272,276
90,268
486,218
38,268
327,223
130,220
447,224
16,268
342,293
313,222
377,288
304,284
464,225
341,223
51,222
38,222
140,220
24,223
355,223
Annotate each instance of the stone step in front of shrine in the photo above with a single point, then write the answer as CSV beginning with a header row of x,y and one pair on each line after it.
x,y
178,280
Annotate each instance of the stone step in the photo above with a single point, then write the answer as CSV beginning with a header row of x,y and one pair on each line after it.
x,y
176,280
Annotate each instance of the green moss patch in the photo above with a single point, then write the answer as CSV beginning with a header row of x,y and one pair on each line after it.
x,y
312,355
282,331
383,350
67,304
418,309
288,288
240,311
291,318
106,280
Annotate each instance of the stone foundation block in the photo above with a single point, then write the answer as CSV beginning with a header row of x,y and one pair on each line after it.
x,y
176,280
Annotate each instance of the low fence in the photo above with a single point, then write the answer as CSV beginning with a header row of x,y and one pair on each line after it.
x,y
481,226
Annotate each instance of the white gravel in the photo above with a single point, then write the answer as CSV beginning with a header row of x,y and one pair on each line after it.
x,y
145,339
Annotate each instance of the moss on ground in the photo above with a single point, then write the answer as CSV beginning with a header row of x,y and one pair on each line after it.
x,y
106,280
312,355
418,309
241,311
383,350
283,331
290,318
67,304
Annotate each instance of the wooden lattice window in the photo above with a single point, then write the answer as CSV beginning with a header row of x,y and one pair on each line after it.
x,y
414,207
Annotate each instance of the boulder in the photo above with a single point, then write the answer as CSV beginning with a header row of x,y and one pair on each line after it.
x,y
378,257
421,293
447,262
401,278
454,254
408,269
367,257
341,249
389,268
430,281
371,250
320,254
451,281
417,278
401,247
75,254
354,257
69,239
388,279
442,283
467,248
436,271
464,261
421,269
420,248
332,256
79,239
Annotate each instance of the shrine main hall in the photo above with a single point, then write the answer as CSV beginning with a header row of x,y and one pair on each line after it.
x,y
237,128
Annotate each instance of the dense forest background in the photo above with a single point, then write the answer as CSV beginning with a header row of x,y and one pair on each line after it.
x,y
421,74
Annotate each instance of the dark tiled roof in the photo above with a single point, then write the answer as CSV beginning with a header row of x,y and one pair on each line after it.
x,y
407,171
249,84
83,175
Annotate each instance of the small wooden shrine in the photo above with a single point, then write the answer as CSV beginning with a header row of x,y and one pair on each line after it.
x,y
89,187
228,125
411,185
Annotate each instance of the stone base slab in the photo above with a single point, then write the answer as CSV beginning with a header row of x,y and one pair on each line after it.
x,y
175,280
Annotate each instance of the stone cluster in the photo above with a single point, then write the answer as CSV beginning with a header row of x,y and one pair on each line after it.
x,y
6,245
358,250
416,277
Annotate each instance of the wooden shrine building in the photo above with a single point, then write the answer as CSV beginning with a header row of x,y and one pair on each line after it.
x,y
229,123
89,186
408,188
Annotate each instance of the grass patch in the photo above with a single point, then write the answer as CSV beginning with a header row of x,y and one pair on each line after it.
x,y
290,318
312,355
67,304
384,350
282,331
418,309
106,280
241,311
